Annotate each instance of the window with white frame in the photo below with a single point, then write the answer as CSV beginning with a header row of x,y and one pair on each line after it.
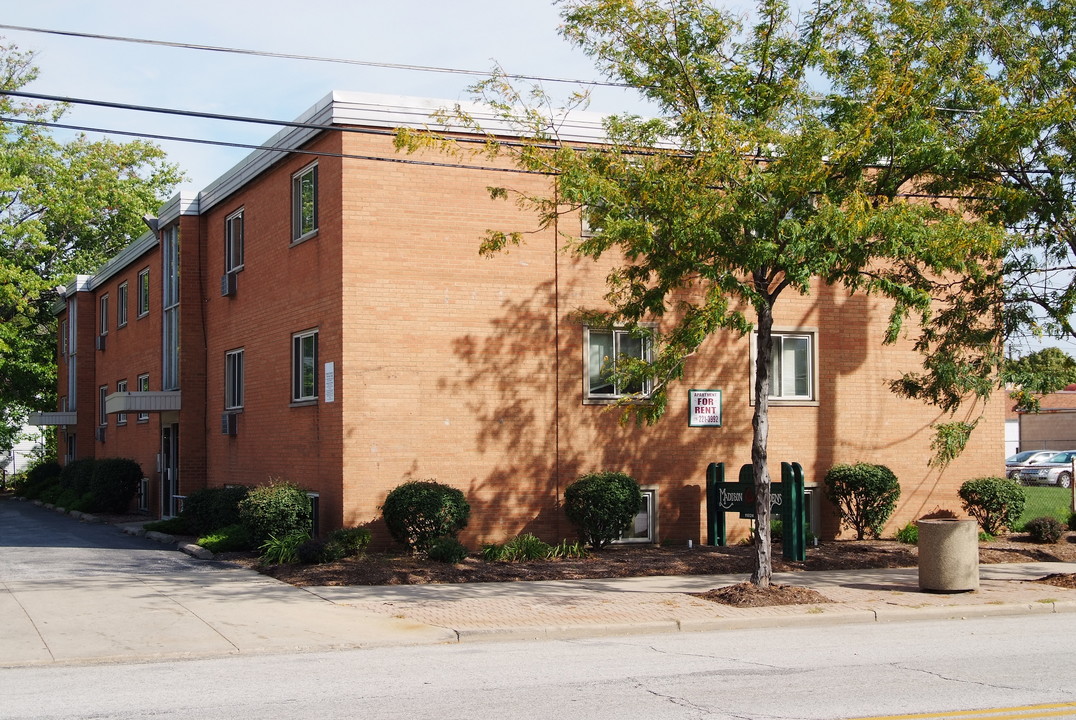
x,y
643,527
304,366
604,350
121,305
103,317
143,293
233,242
63,338
143,386
233,380
121,387
793,365
170,309
304,203
102,416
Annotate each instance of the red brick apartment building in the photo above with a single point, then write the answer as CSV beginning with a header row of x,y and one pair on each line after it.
x,y
321,314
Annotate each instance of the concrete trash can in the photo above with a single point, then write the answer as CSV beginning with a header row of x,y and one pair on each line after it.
x,y
948,555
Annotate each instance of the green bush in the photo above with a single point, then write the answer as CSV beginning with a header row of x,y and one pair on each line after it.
x,y
77,475
447,550
277,550
602,505
1044,529
71,500
996,502
278,509
420,511
113,484
864,494
566,549
231,538
1072,521
349,542
38,477
909,534
519,548
210,509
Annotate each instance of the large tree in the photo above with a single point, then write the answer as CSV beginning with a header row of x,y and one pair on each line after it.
x,y
65,207
782,154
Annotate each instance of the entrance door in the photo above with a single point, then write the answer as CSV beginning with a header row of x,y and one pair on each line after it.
x,y
169,470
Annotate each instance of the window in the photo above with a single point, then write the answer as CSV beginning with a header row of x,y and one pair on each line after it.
x,y
643,529
603,349
792,366
121,386
143,386
233,242
304,366
170,309
121,305
104,315
102,416
304,203
63,338
233,380
143,293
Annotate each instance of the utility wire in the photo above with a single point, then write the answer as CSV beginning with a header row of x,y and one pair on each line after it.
x,y
311,58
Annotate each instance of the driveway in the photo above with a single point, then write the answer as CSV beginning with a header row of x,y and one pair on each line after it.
x,y
74,592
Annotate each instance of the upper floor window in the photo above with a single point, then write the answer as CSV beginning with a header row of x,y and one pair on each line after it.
x,y
304,366
103,317
63,338
121,387
143,292
233,242
121,305
792,366
143,386
233,380
604,350
304,203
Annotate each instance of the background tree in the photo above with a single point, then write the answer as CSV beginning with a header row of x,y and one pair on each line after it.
x,y
783,154
1039,373
65,207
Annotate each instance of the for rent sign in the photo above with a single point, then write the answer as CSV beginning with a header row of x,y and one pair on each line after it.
x,y
704,408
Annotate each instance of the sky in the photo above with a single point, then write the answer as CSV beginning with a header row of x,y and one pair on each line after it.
x,y
521,35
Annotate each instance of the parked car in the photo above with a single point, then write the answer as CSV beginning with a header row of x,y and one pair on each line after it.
x,y
1015,463
1054,471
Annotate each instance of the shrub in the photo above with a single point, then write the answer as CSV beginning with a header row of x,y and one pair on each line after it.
x,y
1044,529
602,505
521,547
909,534
1072,521
995,502
213,508
348,542
278,509
314,551
565,549
420,511
281,549
38,477
447,550
77,475
864,495
777,530
232,538
114,484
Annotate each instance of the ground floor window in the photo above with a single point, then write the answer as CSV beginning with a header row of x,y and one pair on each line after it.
x,y
643,528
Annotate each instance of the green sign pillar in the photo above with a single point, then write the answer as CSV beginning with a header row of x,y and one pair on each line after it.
x,y
739,497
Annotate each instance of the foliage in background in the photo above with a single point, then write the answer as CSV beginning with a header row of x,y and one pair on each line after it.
x,y
103,485
602,505
65,207
865,495
1037,374
420,511
996,502
279,549
279,509
909,534
528,547
114,484
229,538
341,543
786,151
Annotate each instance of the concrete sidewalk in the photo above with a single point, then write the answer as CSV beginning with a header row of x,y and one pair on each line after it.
x,y
199,608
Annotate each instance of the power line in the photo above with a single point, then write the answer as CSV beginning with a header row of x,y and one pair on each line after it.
x,y
311,58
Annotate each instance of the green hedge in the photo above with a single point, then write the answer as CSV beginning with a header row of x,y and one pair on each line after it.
x,y
602,505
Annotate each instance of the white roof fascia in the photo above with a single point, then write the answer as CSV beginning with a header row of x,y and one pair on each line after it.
x,y
184,203
123,258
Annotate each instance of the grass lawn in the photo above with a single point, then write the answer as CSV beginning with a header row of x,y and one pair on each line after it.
x,y
1052,501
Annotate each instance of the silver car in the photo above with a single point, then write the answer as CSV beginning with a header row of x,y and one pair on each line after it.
x,y
1014,464
1054,471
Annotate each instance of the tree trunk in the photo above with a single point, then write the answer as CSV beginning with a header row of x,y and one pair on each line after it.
x,y
761,425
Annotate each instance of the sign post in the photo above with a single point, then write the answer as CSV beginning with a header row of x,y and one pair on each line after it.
x,y
739,497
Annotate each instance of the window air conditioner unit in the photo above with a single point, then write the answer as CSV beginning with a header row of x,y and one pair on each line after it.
x,y
101,342
229,424
100,434
228,284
